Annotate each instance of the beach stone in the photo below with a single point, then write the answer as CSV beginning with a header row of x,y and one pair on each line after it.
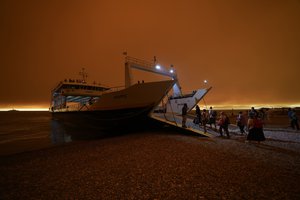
x,y
154,165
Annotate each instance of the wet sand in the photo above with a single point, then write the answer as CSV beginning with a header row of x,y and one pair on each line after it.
x,y
155,165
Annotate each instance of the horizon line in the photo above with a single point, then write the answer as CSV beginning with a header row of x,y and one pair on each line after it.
x,y
216,106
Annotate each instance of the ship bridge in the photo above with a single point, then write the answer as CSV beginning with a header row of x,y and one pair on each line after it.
x,y
152,67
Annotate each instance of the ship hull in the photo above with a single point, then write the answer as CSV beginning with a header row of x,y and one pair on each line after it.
x,y
131,118
125,109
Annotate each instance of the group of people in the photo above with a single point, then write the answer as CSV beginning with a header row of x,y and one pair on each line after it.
x,y
253,122
209,117
204,117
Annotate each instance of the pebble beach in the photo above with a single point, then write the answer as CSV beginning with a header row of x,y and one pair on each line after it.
x,y
163,164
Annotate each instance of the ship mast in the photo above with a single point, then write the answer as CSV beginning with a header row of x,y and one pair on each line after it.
x,y
84,75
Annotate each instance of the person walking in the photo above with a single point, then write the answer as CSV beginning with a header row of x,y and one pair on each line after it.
x,y
223,124
184,115
204,119
241,122
252,113
251,130
293,118
258,124
255,127
212,117
198,115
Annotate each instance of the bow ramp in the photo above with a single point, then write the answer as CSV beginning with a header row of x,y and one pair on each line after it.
x,y
170,112
170,108
176,121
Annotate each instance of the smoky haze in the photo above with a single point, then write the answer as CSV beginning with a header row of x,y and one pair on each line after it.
x,y
249,51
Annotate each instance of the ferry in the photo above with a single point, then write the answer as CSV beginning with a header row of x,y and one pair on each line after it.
x,y
79,103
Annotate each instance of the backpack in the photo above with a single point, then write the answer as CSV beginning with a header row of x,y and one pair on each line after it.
x,y
196,120
294,116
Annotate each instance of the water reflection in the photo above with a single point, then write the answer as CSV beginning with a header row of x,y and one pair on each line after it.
x,y
58,133
64,132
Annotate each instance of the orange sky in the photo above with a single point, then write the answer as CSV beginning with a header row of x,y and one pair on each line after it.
x,y
249,50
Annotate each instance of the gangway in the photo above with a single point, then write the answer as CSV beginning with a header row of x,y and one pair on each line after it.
x,y
174,117
169,119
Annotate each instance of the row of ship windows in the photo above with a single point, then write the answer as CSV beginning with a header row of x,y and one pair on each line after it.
x,y
84,87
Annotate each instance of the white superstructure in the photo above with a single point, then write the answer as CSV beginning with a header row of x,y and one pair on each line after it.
x,y
176,99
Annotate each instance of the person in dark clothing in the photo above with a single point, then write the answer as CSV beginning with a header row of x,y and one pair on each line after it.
x,y
252,113
293,119
241,122
198,114
184,115
212,117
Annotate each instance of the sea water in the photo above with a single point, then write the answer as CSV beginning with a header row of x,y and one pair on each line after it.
x,y
22,131
25,130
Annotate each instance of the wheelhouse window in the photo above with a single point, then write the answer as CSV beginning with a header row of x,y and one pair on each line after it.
x,y
83,87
